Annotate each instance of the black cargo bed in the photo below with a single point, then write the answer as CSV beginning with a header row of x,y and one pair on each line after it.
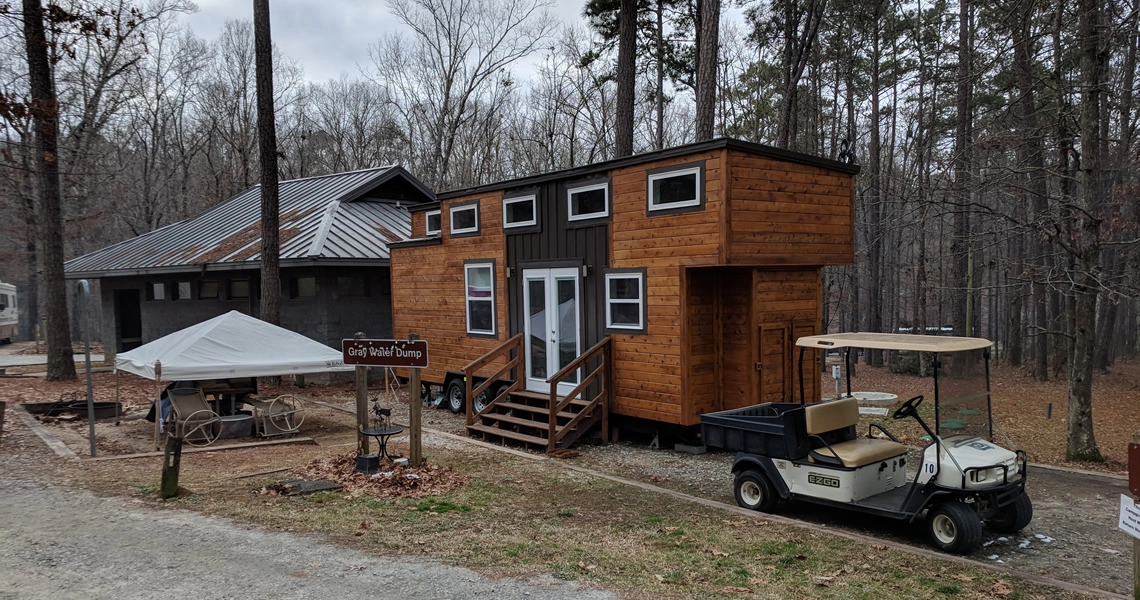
x,y
774,429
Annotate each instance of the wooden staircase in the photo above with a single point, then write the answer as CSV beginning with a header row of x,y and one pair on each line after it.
x,y
544,420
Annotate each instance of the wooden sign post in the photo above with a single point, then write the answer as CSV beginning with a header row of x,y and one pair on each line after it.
x,y
361,403
415,426
411,353
1134,488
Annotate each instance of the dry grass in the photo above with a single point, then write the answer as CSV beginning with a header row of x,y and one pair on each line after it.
x,y
518,517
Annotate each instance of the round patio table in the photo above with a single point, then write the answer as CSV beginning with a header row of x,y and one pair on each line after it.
x,y
382,433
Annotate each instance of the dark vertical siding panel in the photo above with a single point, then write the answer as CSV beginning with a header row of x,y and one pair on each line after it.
x,y
557,241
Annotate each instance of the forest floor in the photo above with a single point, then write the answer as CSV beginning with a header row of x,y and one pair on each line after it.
x,y
1072,537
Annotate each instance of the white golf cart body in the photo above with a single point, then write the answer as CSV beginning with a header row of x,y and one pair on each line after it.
x,y
812,452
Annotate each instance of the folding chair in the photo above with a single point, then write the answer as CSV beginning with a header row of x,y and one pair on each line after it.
x,y
193,419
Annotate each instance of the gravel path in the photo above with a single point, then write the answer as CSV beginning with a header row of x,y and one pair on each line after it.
x,y
59,543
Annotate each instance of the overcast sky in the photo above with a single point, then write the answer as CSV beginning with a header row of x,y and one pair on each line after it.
x,y
328,37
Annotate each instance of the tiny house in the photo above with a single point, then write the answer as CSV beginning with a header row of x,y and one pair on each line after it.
x,y
656,287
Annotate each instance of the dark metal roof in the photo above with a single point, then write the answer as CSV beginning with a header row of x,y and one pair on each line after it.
x,y
339,218
617,163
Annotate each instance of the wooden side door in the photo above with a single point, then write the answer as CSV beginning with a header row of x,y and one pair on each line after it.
x,y
774,367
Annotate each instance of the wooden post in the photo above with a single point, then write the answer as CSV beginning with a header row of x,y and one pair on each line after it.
x,y
1135,541
361,404
171,462
3,405
415,426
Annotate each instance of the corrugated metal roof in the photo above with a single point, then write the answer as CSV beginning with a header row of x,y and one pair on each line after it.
x,y
322,218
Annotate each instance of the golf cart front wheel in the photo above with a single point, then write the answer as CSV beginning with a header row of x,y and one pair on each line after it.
x,y
754,491
1014,516
954,527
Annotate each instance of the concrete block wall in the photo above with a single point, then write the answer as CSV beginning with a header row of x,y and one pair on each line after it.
x,y
326,318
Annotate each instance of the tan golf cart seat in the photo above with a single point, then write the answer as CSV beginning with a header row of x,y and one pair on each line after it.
x,y
839,415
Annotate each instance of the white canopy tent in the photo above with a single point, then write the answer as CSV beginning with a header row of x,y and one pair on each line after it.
x,y
230,345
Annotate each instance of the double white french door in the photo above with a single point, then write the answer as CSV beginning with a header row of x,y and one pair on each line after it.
x,y
551,323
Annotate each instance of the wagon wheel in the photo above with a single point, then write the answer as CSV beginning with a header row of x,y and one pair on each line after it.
x,y
286,413
201,428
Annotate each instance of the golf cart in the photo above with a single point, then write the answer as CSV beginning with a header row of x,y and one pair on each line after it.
x,y
811,452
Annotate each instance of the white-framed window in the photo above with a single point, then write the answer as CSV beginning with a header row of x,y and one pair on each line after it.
x,y
479,287
519,212
464,219
675,189
625,300
588,202
433,222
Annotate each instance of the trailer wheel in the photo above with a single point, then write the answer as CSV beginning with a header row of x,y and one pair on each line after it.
x,y
481,401
455,398
954,527
754,491
1012,517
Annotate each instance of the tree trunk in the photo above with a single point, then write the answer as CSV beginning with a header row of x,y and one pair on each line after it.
x,y
626,78
267,146
660,104
706,68
45,113
960,241
875,231
1086,227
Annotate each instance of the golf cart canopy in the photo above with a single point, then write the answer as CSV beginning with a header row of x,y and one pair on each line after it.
x,y
894,341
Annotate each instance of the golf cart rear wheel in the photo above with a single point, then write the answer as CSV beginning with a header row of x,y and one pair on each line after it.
x,y
1012,517
455,397
954,527
754,491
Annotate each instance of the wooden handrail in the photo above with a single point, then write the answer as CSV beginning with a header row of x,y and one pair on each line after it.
x,y
504,351
602,372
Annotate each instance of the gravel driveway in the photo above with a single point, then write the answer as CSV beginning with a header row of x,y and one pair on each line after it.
x,y
60,543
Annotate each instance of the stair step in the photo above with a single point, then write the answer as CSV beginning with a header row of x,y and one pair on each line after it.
x,y
546,397
542,410
539,425
504,433
542,425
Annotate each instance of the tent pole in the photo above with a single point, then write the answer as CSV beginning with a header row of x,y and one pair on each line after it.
x,y
157,401
117,405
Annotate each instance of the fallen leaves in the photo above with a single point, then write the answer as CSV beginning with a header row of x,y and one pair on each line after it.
x,y
399,481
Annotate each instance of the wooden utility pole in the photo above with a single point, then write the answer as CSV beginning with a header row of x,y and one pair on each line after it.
x,y
415,426
267,154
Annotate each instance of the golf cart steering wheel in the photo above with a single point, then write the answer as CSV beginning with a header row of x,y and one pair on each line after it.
x,y
908,408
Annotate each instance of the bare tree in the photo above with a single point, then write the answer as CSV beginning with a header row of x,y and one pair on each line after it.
x,y
442,80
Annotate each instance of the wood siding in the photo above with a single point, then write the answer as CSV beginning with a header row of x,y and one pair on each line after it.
x,y
428,293
703,335
648,381
784,213
419,225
